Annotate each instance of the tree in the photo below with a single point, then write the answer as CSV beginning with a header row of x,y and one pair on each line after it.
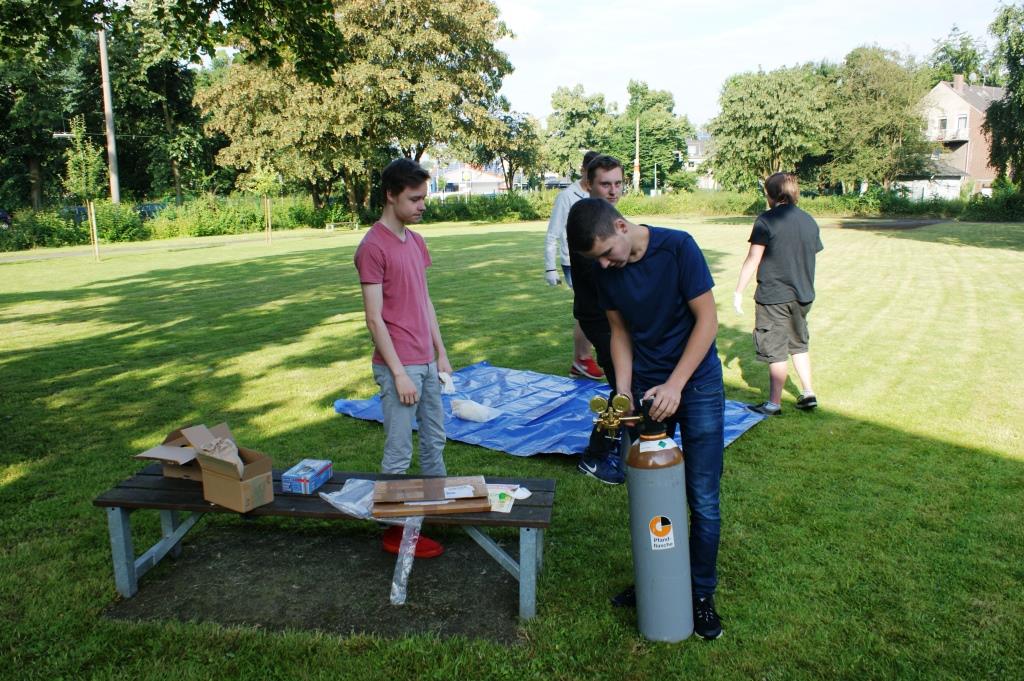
x,y
662,133
83,177
305,30
957,53
1004,119
768,123
515,144
418,75
424,73
878,133
31,103
960,53
159,129
275,120
574,127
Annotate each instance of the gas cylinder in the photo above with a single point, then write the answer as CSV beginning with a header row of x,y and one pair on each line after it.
x,y
656,482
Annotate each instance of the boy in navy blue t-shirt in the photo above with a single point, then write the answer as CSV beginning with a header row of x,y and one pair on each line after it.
x,y
655,287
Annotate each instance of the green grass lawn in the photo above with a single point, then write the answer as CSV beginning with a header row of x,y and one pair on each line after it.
x,y
880,537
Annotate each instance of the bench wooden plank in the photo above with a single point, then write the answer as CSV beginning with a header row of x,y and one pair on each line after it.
x,y
339,478
158,482
296,506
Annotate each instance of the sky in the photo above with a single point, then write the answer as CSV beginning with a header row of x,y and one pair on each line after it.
x,y
690,47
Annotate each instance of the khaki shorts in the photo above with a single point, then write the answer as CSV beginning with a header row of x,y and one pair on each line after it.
x,y
780,330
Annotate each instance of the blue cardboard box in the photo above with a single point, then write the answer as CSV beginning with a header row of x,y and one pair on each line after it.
x,y
306,476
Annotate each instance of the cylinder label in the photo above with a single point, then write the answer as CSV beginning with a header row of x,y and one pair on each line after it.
x,y
655,445
662,536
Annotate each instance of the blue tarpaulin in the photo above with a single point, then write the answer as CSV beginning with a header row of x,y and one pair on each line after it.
x,y
540,413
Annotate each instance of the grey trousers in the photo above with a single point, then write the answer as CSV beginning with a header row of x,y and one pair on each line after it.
x,y
398,420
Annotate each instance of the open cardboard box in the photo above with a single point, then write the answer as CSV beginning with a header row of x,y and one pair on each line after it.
x,y
177,456
241,482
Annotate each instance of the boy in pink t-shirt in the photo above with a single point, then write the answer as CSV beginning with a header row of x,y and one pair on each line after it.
x,y
392,262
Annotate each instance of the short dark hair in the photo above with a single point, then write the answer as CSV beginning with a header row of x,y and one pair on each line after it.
x,y
588,220
604,162
588,157
782,188
402,173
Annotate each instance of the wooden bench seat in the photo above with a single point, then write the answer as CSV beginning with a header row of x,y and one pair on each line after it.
x,y
150,490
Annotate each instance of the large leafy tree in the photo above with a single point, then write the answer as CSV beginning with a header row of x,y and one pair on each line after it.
x,y
424,73
275,120
769,122
662,133
419,75
159,130
961,53
31,104
578,122
305,30
1004,119
878,130
515,143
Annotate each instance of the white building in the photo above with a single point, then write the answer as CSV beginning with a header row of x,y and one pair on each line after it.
x,y
698,150
465,179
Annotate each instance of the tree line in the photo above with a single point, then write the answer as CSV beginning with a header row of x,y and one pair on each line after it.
x,y
317,105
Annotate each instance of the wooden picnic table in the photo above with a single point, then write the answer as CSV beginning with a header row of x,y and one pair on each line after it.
x,y
150,490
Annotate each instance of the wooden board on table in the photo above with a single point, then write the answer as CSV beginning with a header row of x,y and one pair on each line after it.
x,y
429,489
440,507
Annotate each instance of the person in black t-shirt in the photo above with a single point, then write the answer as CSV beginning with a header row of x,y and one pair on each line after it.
x,y
602,459
783,247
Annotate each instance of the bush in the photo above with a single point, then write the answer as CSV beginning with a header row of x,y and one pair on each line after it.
x,y
210,215
119,222
507,207
32,229
692,203
1002,206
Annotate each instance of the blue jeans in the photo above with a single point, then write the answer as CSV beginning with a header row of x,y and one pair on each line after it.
x,y
701,420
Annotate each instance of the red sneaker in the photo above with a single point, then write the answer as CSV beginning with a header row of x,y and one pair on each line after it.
x,y
587,368
425,547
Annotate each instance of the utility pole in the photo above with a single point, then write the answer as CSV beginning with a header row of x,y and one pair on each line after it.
x,y
108,115
636,159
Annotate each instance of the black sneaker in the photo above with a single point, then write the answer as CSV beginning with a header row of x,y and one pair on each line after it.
x,y
626,599
807,402
706,622
766,408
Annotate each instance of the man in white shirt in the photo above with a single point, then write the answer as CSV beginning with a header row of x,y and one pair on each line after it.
x,y
583,364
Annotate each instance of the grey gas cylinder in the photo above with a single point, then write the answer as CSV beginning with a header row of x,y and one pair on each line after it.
x,y
656,480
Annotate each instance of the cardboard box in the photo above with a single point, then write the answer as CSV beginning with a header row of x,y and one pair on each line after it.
x,y
178,456
430,496
233,477
306,476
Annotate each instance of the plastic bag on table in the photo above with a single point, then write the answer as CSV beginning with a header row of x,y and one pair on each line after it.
x,y
355,498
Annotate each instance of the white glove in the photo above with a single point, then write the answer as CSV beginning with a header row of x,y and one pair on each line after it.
x,y
737,302
551,276
447,383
